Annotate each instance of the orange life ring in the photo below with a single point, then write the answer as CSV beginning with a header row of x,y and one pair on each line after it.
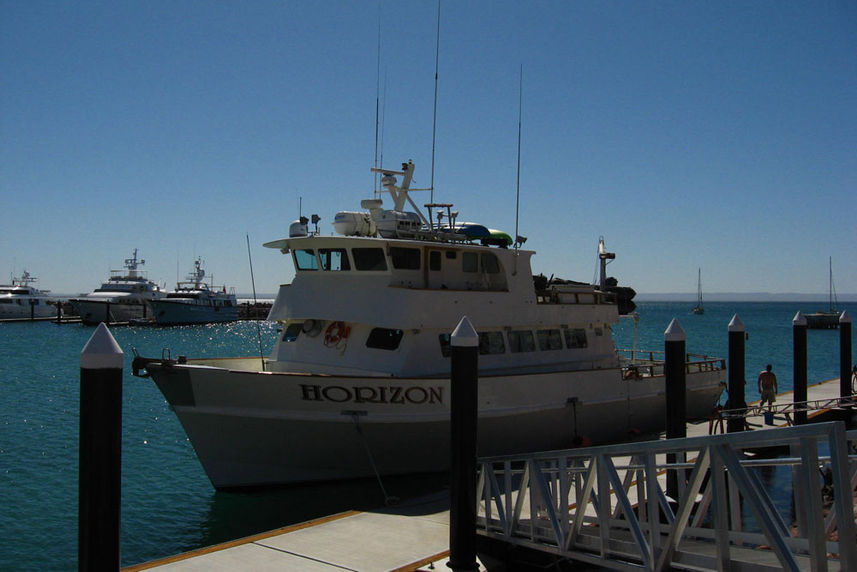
x,y
335,333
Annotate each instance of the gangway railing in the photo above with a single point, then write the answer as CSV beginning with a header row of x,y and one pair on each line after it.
x,y
788,409
607,506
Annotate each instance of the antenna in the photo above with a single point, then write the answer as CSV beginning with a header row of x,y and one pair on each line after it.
x,y
518,192
377,95
253,283
434,119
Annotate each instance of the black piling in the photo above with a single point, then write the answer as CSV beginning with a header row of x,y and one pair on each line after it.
x,y
101,364
464,353
845,355
676,397
800,365
737,378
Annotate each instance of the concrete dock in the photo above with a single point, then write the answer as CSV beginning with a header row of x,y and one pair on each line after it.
x,y
411,536
406,537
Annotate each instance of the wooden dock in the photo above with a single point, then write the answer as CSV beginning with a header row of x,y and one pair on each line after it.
x,y
411,536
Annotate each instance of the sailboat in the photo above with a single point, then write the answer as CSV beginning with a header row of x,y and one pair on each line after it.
x,y
698,309
825,319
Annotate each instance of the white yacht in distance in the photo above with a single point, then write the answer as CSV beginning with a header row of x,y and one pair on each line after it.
x,y
21,300
359,376
125,296
195,302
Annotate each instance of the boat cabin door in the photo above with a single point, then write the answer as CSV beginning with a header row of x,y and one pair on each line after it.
x,y
442,267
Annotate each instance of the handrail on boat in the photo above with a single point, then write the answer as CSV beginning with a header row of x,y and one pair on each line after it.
x,y
652,363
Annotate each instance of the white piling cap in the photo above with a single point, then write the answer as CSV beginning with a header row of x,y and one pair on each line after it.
x,y
845,317
736,325
464,335
674,332
101,351
799,319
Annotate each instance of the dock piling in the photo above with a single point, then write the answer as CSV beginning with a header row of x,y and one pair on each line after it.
x,y
800,367
100,470
464,354
676,397
845,354
737,378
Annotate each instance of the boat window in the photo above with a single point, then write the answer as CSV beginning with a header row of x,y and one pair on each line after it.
x,y
369,259
574,338
292,331
405,258
444,344
434,260
334,259
470,262
305,260
549,340
521,341
490,264
491,343
384,339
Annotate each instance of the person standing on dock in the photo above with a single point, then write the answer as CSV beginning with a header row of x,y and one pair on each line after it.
x,y
768,386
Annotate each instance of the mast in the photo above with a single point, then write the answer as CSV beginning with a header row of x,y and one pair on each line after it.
x,y
518,191
434,118
699,288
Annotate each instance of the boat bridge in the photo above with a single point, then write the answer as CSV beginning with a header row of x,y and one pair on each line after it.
x,y
607,506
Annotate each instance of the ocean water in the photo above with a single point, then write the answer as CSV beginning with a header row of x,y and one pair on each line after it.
x,y
168,504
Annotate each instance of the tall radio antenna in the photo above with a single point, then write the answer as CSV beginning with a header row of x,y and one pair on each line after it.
x,y
518,191
377,97
434,119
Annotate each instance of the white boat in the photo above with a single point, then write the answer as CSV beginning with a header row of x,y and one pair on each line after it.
x,y
698,309
825,319
195,302
21,300
125,296
358,379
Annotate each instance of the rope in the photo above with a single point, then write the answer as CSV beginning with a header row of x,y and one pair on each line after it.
x,y
388,500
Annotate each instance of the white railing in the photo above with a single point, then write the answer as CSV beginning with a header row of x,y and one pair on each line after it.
x,y
608,506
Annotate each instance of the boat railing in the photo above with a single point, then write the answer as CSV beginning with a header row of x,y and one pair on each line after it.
x,y
648,363
561,296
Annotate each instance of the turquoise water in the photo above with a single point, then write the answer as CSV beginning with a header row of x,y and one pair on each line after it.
x,y
168,504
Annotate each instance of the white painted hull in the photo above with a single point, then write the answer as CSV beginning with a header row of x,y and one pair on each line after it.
x,y
174,312
14,310
94,312
251,428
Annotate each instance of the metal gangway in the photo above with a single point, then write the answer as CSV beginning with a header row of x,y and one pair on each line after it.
x,y
608,506
788,409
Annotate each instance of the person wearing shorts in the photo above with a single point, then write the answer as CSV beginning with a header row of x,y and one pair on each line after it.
x,y
767,387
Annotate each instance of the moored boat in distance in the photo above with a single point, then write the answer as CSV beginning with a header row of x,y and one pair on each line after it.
x,y
125,296
698,309
194,301
825,319
359,376
22,300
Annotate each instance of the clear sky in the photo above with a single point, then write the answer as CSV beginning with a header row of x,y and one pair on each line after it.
x,y
720,135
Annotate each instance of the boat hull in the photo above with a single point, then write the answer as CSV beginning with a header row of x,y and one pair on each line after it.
x,y
252,428
93,312
170,313
24,310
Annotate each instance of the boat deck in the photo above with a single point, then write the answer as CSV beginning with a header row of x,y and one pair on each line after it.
x,y
411,536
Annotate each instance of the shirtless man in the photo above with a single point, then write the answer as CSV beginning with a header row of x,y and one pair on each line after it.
x,y
767,387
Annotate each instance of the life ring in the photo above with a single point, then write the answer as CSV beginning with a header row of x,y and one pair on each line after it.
x,y
335,333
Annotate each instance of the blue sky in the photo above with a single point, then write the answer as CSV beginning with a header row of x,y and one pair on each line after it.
x,y
720,135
